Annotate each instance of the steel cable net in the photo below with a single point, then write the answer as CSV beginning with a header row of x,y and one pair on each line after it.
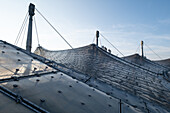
x,y
148,64
101,65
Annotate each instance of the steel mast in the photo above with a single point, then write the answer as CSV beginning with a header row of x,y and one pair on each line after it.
x,y
29,35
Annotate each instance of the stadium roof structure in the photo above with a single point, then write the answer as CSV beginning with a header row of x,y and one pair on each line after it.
x,y
165,62
30,83
79,80
130,82
146,63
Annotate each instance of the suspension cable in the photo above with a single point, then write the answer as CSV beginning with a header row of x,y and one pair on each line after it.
x,y
100,42
24,28
21,29
23,34
111,44
54,28
138,49
153,51
93,39
36,32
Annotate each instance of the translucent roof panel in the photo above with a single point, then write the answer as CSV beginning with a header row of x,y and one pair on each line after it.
x,y
60,93
16,63
7,105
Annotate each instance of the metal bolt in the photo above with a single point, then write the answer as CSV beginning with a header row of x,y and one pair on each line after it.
x,y
18,99
82,103
110,105
74,77
16,78
45,68
107,93
37,74
34,70
15,85
89,95
42,100
90,85
59,91
16,71
53,71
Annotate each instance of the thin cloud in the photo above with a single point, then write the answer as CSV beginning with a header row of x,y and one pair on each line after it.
x,y
164,21
126,41
152,36
135,27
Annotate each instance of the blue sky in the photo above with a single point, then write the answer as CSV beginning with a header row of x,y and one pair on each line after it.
x,y
123,22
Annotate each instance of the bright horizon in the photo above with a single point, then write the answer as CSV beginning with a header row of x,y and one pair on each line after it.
x,y
123,23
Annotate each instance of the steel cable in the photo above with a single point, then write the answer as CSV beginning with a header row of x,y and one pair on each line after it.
x,y
111,44
21,29
54,29
36,31
153,51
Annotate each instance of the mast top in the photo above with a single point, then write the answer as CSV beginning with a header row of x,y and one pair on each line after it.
x,y
31,9
97,36
29,35
142,48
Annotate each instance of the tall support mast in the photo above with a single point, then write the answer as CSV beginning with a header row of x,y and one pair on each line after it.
x,y
142,48
97,37
29,35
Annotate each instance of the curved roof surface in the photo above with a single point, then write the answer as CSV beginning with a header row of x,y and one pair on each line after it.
x,y
28,84
32,83
143,61
135,80
165,62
